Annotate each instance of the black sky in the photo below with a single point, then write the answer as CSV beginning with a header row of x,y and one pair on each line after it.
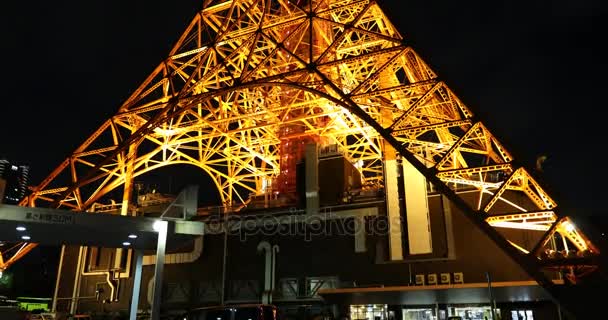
x,y
533,71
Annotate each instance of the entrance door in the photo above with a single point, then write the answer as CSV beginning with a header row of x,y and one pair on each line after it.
x,y
368,312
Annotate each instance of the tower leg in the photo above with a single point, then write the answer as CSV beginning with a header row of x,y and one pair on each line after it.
x,y
126,198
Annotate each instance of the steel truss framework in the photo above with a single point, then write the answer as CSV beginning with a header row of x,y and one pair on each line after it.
x,y
246,70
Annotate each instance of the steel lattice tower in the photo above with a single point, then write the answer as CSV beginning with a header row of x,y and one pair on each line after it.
x,y
249,74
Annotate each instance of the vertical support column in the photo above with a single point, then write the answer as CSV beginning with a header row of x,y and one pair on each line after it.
x,y
59,267
266,248
449,227
489,279
275,250
311,163
395,244
139,258
417,210
224,256
360,234
161,227
436,310
76,289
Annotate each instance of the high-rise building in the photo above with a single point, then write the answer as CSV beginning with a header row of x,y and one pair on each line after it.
x,y
15,181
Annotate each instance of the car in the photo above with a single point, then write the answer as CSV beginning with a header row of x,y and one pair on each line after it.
x,y
234,312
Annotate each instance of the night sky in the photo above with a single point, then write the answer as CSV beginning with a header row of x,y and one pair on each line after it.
x,y
533,71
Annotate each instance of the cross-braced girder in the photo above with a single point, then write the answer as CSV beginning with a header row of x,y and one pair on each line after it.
x,y
245,73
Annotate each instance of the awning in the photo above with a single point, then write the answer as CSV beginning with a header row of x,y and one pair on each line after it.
x,y
55,227
512,291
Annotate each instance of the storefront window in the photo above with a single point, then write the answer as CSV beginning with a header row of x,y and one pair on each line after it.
x,y
474,313
418,314
368,312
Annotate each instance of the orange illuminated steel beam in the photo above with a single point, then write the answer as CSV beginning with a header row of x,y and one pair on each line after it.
x,y
540,221
16,251
569,231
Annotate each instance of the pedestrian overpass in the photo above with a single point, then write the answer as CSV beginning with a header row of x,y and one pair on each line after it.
x,y
57,227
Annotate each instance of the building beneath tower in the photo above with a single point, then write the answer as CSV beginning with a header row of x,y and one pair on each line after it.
x,y
13,182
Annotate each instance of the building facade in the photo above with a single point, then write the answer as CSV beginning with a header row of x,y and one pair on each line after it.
x,y
344,259
15,179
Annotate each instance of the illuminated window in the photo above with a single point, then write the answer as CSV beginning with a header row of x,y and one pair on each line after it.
x,y
368,312
522,315
418,314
